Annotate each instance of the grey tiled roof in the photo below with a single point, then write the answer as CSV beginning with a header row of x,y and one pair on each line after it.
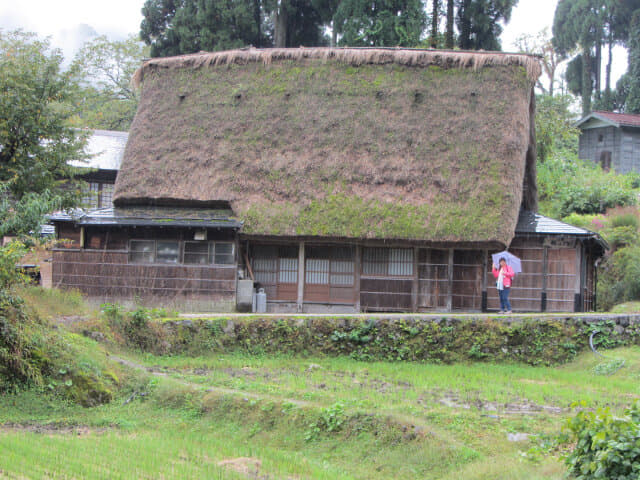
x,y
152,216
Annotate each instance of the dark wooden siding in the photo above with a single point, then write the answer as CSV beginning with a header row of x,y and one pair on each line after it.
x,y
107,274
385,294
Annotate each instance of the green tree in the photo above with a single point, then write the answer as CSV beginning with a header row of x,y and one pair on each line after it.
x,y
36,141
300,22
555,132
632,101
588,26
479,23
103,69
172,27
387,23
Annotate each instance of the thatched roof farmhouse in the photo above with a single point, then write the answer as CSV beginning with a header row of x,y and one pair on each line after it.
x,y
371,178
358,143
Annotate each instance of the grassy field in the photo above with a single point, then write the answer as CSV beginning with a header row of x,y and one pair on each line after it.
x,y
239,416
309,418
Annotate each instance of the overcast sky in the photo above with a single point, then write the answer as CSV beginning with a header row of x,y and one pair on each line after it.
x,y
71,22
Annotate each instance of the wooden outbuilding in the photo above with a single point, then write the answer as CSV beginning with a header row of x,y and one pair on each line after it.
x,y
345,179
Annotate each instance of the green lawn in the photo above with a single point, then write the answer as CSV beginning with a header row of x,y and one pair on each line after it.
x,y
310,418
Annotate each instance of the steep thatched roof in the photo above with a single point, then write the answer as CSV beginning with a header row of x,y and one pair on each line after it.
x,y
361,143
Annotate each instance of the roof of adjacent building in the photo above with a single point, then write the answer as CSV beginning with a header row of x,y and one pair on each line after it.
x,y
351,143
106,150
151,216
534,223
612,118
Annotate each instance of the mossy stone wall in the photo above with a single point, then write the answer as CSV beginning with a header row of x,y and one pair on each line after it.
x,y
535,341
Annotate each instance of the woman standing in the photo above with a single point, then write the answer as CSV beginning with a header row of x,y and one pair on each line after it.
x,y
503,275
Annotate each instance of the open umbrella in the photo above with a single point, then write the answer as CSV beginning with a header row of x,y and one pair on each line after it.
x,y
512,260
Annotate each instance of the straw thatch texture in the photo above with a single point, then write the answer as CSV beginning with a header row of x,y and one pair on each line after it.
x,y
354,143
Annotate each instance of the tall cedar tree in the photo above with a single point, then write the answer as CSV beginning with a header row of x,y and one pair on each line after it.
x,y
174,27
387,23
590,26
632,104
299,22
449,35
479,23
435,19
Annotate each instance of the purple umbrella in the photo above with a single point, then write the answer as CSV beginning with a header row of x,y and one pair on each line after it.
x,y
512,260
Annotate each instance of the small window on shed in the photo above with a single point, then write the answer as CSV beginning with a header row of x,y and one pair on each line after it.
x,y
600,138
142,251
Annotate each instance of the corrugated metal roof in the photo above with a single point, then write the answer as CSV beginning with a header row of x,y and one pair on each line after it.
x,y
106,148
151,216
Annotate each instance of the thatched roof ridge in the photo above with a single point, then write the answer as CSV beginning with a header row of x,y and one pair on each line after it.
x,y
353,56
345,143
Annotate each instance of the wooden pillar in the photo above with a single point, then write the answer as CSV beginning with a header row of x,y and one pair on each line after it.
x,y
450,281
357,272
583,274
485,267
414,283
545,274
577,299
300,301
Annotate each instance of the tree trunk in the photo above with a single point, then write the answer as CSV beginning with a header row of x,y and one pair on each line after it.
x,y
448,42
607,88
465,26
257,18
281,23
434,23
587,85
598,67
334,34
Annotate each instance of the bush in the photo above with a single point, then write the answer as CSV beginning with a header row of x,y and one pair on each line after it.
x,y
589,222
619,278
606,447
569,185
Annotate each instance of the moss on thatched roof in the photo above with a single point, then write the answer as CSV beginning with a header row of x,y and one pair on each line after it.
x,y
360,143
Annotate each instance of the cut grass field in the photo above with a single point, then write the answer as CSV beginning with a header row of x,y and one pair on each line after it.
x,y
310,418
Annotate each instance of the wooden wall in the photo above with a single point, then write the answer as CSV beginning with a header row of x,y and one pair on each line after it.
x,y
107,274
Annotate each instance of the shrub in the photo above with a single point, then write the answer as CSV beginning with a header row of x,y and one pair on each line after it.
x,y
590,222
619,278
606,447
628,219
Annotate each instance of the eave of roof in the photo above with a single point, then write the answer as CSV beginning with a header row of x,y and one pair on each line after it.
x,y
534,223
151,216
612,118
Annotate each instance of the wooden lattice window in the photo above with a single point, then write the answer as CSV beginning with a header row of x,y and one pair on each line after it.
x,y
391,262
